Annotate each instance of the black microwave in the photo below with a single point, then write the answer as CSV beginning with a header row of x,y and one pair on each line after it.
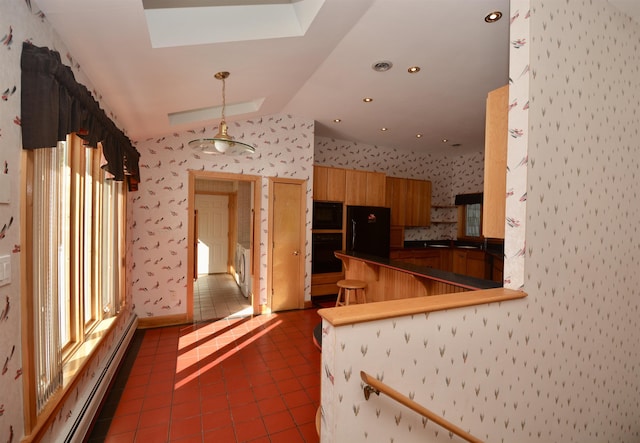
x,y
327,215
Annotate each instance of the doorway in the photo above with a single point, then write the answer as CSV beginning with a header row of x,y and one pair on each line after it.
x,y
221,245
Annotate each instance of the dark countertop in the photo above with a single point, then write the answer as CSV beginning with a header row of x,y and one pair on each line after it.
x,y
491,247
452,278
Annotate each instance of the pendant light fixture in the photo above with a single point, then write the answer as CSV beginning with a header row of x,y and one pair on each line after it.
x,y
222,142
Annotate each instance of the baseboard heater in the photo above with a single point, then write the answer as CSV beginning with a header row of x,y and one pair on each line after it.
x,y
82,424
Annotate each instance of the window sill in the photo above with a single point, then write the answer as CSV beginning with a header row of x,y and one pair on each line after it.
x,y
82,355
80,359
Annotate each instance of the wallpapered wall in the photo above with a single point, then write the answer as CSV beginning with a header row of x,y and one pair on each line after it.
x,y
22,21
284,149
450,175
562,364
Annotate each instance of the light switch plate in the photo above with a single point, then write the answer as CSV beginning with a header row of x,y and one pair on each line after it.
x,y
5,188
5,270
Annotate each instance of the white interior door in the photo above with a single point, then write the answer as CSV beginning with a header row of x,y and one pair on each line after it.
x,y
213,233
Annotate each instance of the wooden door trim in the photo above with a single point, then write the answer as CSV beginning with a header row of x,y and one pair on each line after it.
x,y
303,209
255,231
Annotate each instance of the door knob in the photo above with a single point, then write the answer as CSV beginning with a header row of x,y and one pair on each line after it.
x,y
296,252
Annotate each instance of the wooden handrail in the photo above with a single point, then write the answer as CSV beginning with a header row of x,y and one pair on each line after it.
x,y
376,386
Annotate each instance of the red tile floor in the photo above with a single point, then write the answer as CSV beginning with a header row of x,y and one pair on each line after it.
x,y
234,380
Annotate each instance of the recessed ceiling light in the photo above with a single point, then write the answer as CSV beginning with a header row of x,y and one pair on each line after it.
x,y
418,135
337,120
413,69
493,17
367,99
382,66
384,129
444,140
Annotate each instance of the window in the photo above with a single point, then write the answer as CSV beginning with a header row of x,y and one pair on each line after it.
x,y
472,220
469,215
74,228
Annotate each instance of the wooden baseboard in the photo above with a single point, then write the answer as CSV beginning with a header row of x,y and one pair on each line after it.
x,y
163,321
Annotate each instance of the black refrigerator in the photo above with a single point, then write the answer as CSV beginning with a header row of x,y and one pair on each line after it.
x,y
368,230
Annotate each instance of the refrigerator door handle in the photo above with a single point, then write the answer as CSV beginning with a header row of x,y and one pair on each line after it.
x,y
353,234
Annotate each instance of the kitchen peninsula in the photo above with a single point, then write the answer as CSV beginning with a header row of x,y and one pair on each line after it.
x,y
389,279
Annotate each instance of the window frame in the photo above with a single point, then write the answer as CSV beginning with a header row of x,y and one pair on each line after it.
x,y
462,223
88,186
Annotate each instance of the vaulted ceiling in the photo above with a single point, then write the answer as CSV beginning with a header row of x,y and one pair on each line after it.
x,y
153,62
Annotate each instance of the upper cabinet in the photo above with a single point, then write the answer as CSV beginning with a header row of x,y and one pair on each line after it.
x,y
418,207
495,163
328,183
396,193
364,188
409,200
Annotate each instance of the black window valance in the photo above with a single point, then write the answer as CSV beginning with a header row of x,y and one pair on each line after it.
x,y
54,105
468,199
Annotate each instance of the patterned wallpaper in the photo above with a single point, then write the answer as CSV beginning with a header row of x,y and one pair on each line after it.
x,y
284,149
22,21
562,364
450,175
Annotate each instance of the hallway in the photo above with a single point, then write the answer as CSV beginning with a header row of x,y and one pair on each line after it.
x,y
218,296
234,380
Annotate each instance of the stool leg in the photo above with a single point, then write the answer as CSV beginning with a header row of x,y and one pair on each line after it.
x,y
338,302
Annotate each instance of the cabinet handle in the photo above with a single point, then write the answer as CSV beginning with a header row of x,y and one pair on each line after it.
x,y
296,253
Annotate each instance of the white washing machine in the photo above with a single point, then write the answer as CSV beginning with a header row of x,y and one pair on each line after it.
x,y
238,259
244,273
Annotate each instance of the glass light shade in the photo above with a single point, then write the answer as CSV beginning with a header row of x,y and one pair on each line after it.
x,y
222,143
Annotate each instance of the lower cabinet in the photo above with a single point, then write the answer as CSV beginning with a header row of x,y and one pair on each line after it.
x,y
471,262
325,284
430,258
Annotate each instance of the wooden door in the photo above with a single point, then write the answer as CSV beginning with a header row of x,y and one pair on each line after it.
x,y
287,240
213,233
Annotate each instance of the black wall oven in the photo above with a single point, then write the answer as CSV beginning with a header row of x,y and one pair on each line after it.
x,y
322,248
327,215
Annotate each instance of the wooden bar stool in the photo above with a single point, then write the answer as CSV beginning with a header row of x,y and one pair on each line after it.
x,y
344,293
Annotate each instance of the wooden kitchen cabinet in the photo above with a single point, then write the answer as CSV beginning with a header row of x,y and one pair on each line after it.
x,y
375,189
396,193
364,188
409,200
418,203
495,163
328,183
430,258
469,262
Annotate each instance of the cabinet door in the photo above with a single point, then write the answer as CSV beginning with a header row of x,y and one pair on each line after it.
x,y
375,189
356,187
418,203
476,264
395,196
328,183
459,262
320,179
495,163
335,184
